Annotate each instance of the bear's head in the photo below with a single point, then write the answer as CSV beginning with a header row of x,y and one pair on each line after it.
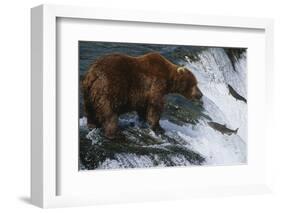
x,y
186,84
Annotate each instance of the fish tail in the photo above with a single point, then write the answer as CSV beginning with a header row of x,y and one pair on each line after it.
x,y
236,130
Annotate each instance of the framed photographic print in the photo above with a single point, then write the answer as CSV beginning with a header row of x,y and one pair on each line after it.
x,y
133,105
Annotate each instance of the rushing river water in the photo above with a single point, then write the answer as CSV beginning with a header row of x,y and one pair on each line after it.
x,y
195,134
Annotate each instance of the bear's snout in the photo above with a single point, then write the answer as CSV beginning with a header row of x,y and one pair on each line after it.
x,y
193,94
198,94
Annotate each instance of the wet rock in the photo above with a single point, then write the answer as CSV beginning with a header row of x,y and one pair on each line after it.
x,y
180,111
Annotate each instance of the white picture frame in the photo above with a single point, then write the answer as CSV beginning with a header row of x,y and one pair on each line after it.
x,y
44,154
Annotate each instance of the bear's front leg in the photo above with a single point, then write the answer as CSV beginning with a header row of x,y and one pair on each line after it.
x,y
153,117
156,104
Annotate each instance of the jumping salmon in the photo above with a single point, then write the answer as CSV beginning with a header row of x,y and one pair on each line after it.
x,y
235,94
222,128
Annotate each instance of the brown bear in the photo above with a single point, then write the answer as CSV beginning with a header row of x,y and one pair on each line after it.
x,y
118,83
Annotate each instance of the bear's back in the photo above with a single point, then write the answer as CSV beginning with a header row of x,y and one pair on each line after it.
x,y
127,67
117,69
126,81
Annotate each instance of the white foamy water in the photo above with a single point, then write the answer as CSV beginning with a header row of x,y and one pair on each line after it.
x,y
216,148
214,72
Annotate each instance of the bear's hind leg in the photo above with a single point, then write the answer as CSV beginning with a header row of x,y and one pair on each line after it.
x,y
92,121
110,126
90,113
108,119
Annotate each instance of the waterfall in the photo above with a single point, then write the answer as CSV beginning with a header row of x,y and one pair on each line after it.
x,y
214,73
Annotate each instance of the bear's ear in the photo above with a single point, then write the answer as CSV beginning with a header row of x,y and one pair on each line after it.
x,y
181,70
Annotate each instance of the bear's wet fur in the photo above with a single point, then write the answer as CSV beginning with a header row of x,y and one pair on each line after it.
x,y
118,83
